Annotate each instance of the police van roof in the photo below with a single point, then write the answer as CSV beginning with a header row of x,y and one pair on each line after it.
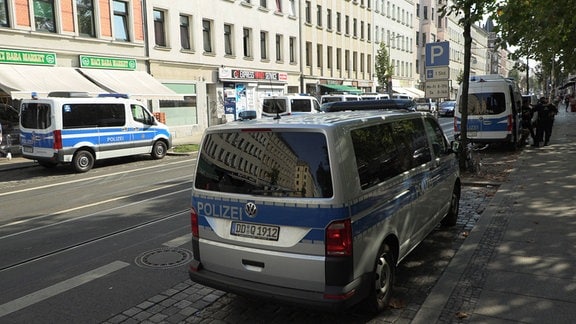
x,y
382,104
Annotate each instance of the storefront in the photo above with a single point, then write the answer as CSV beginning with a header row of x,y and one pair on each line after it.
x,y
243,90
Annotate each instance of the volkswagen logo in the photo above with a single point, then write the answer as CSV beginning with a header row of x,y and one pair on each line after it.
x,y
251,209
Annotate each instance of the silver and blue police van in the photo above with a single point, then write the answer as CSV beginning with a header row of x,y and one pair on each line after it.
x,y
74,128
319,209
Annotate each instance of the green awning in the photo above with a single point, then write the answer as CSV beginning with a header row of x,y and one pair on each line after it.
x,y
341,88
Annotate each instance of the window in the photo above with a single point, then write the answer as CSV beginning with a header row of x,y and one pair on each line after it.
x,y
347,25
278,5
263,45
279,53
354,27
159,28
329,19
319,55
207,35
4,21
263,4
338,22
93,115
247,42
44,15
292,7
319,16
228,39
308,12
425,12
185,32
329,63
85,15
121,21
292,45
338,58
36,115
308,54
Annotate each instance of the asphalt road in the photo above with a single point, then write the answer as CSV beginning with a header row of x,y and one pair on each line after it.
x,y
82,247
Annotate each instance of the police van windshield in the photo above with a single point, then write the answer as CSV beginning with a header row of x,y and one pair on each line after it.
x,y
486,103
266,163
273,106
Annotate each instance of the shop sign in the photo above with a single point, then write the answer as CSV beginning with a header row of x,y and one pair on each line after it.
x,y
102,62
238,74
27,57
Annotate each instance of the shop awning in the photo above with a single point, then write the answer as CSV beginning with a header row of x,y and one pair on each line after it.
x,y
137,84
19,81
341,88
417,93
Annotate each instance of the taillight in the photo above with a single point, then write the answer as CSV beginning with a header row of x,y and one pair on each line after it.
x,y
510,124
57,140
194,222
339,238
456,125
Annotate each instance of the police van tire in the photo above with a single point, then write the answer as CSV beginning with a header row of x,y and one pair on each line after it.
x,y
82,161
159,150
383,281
452,216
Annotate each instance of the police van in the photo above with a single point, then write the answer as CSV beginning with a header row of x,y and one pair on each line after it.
x,y
319,209
339,97
289,105
494,110
76,129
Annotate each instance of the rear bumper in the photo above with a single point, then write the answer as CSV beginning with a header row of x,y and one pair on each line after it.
x,y
350,294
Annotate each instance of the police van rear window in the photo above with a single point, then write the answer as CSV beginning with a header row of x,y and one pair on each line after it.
x,y
265,163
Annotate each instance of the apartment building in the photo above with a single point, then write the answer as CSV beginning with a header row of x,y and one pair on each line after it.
x,y
74,45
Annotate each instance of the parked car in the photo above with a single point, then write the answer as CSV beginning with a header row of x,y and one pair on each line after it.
x,y
425,104
447,108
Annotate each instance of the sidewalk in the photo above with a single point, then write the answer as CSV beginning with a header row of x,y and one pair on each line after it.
x,y
518,264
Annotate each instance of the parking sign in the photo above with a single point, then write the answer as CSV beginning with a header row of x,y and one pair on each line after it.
x,y
438,54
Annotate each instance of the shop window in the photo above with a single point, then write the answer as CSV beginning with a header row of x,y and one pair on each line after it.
x,y
44,15
85,14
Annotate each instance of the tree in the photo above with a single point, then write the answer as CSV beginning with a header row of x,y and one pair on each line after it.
x,y
384,68
468,12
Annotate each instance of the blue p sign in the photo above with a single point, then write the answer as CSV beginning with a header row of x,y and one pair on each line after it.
x,y
438,54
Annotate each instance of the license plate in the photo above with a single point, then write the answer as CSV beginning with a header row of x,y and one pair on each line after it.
x,y
472,134
256,231
28,149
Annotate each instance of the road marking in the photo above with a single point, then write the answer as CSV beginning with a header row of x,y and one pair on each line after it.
x,y
87,179
179,241
40,295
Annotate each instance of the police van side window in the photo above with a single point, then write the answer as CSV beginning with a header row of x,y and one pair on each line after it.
x,y
273,106
36,116
92,115
141,115
387,150
301,105
438,141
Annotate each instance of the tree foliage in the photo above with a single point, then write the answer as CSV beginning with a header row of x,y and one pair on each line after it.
x,y
383,67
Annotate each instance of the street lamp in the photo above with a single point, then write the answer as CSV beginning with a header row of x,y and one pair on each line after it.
x,y
389,85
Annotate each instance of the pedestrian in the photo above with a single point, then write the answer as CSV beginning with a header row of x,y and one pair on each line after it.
x,y
544,113
567,100
527,128
4,153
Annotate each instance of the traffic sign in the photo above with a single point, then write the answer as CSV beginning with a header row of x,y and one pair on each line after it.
x,y
438,89
438,73
438,54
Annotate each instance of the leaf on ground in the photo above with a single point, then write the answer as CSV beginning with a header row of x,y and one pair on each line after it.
x,y
462,315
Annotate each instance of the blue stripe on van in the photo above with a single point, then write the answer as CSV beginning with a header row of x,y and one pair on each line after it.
x,y
486,124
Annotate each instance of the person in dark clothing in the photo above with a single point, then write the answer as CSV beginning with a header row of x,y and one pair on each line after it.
x,y
544,115
527,129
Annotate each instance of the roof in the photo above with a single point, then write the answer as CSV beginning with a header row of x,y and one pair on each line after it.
x,y
382,104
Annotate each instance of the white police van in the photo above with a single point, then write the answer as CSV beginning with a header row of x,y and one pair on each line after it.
x,y
69,127
319,209
289,105
494,110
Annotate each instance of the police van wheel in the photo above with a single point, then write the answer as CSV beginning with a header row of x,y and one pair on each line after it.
x,y
82,161
159,150
383,276
452,216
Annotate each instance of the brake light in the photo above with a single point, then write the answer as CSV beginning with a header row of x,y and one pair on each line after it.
x,y
339,238
456,125
57,140
194,222
510,124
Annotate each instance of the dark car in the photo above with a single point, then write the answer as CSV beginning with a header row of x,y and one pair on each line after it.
x,y
447,108
10,129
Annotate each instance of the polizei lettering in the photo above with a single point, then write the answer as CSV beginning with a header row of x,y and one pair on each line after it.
x,y
222,211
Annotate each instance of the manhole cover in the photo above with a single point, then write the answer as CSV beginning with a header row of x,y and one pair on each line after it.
x,y
163,258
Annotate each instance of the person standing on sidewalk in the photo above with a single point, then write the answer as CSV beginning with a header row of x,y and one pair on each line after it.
x,y
544,115
8,155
